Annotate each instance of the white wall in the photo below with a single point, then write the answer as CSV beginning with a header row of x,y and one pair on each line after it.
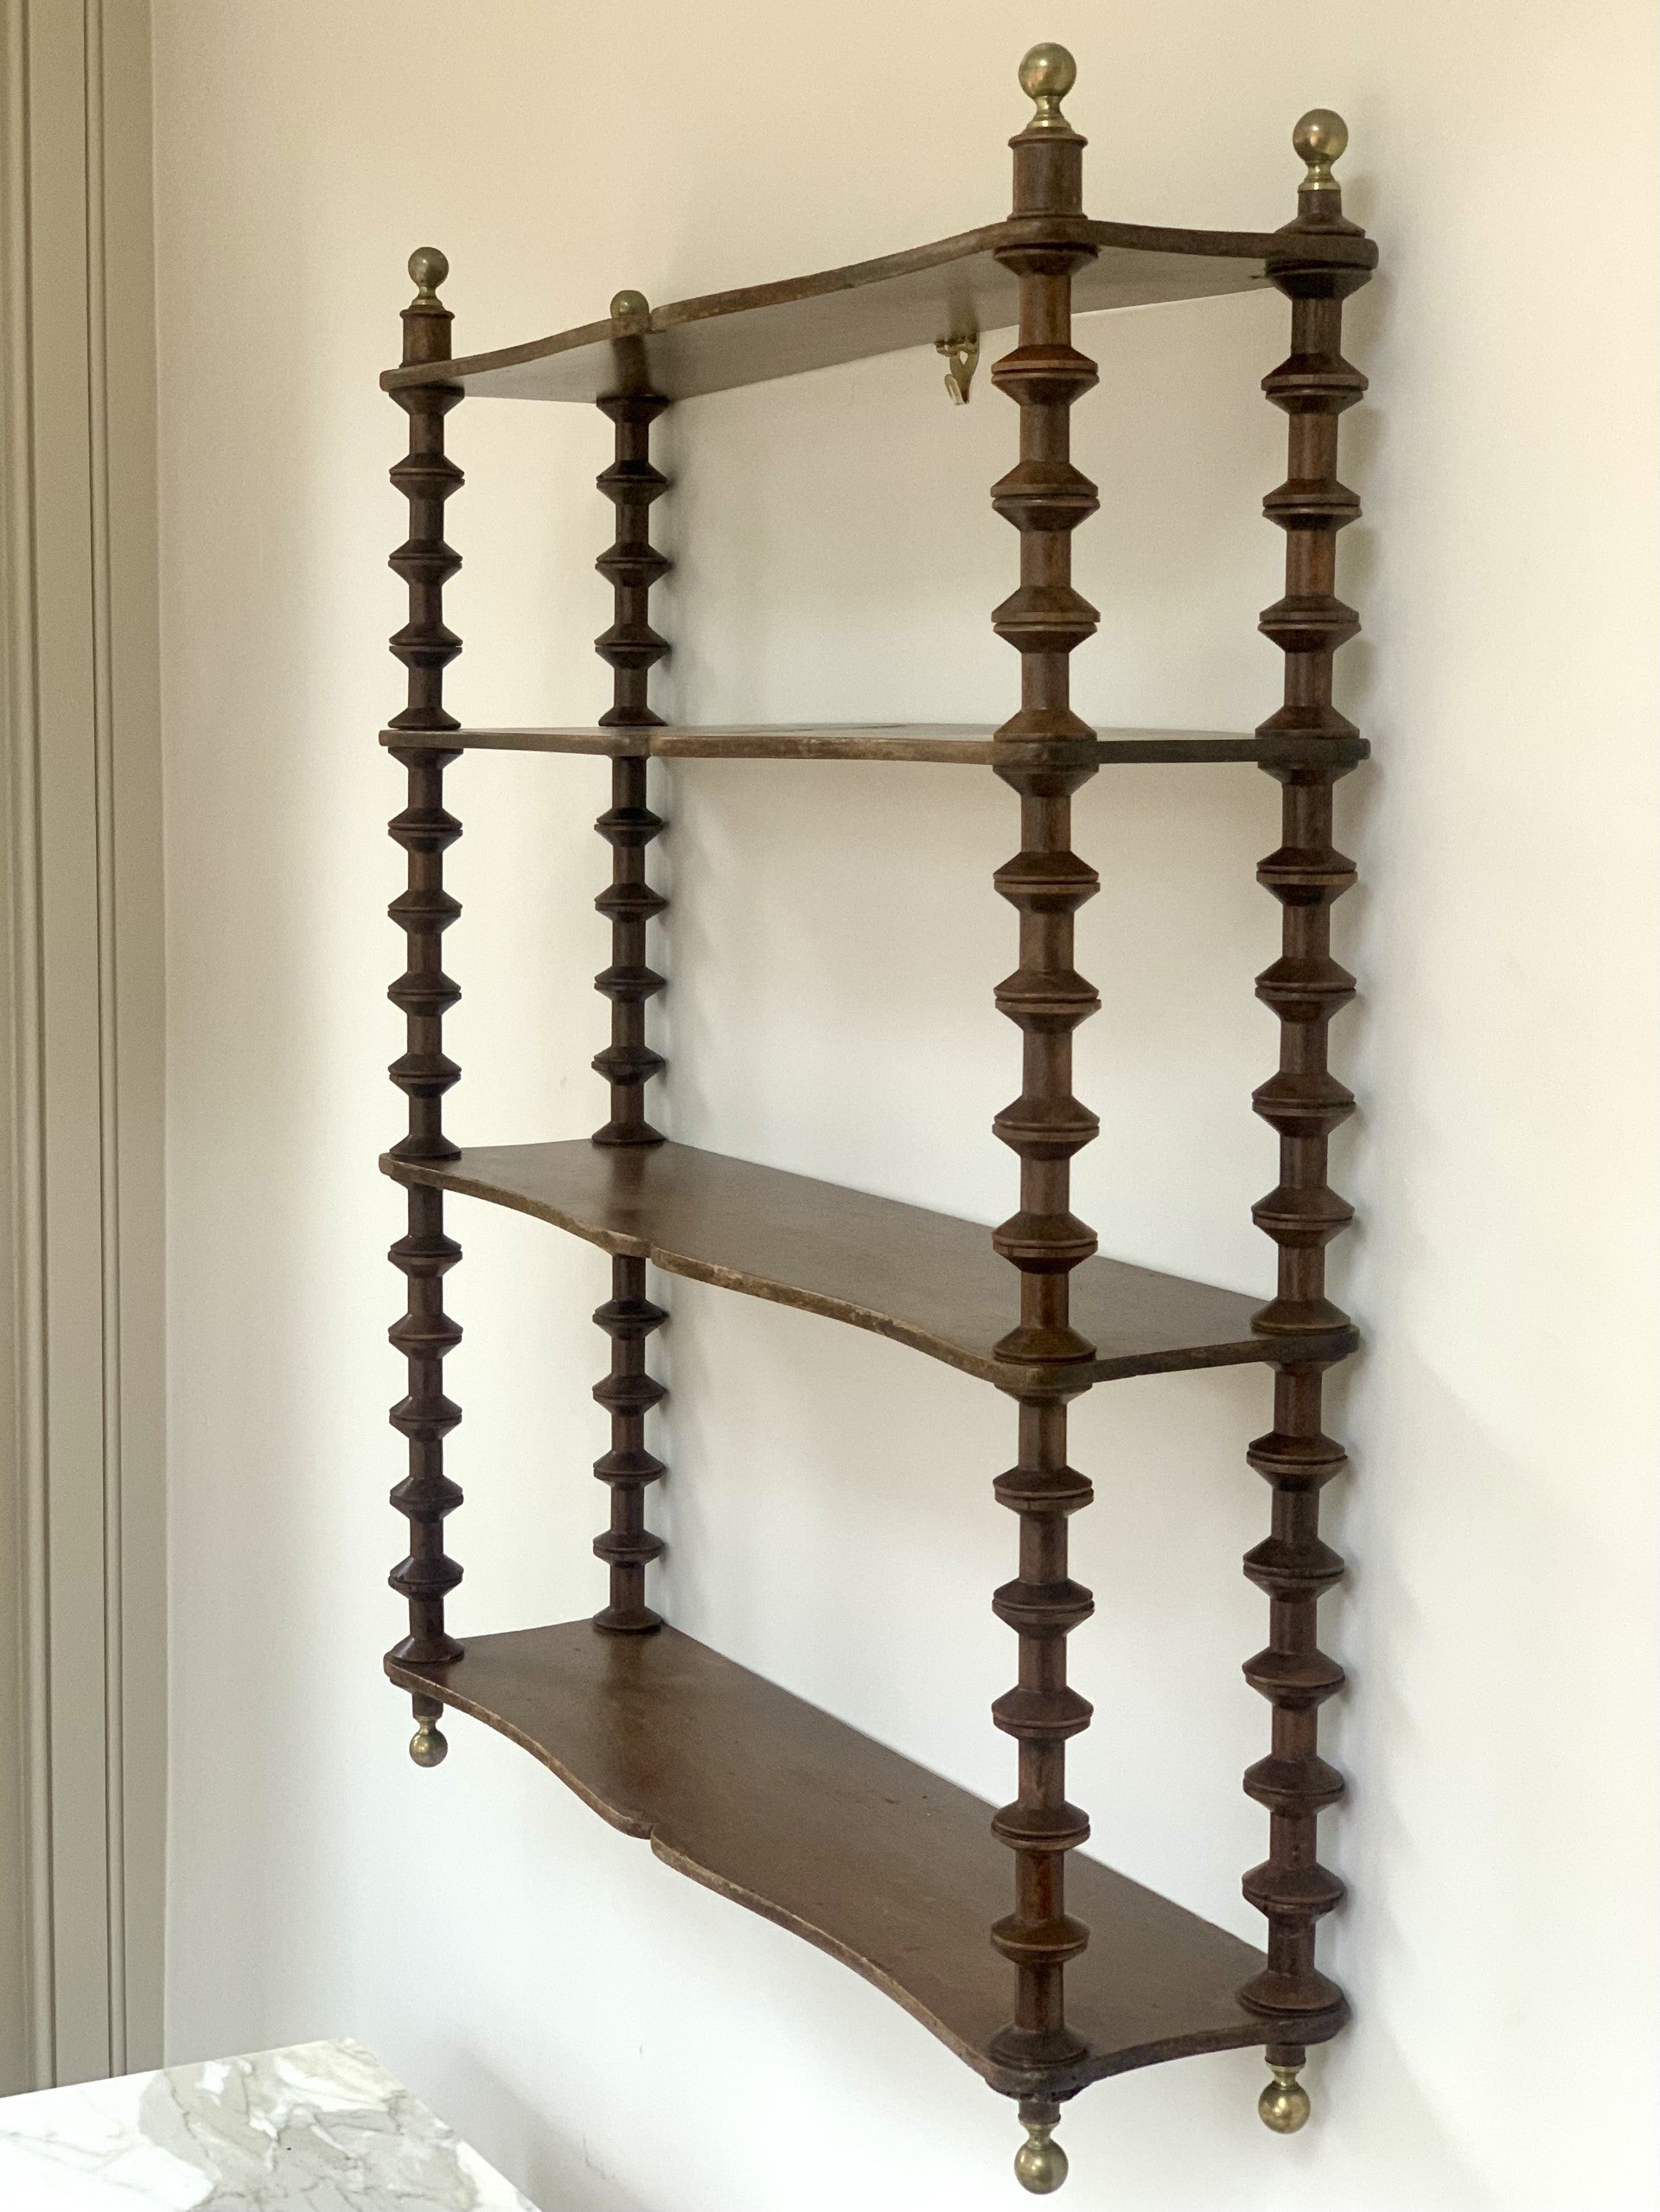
x,y
618,2039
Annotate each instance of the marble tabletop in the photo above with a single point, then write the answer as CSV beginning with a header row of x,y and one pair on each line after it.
x,y
318,2128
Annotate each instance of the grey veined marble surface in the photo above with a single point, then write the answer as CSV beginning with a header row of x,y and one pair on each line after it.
x,y
318,2128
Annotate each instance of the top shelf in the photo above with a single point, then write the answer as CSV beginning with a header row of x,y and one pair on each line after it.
x,y
954,288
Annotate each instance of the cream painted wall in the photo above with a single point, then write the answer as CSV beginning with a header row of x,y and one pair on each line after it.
x,y
617,2038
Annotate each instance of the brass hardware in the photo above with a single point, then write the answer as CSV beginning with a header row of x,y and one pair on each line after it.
x,y
631,309
962,358
429,268
1320,138
428,1746
1047,75
1283,2105
1040,2164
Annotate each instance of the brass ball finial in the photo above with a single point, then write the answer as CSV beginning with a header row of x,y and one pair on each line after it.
x,y
630,307
1320,138
1283,2105
428,1746
429,268
1047,75
1040,2164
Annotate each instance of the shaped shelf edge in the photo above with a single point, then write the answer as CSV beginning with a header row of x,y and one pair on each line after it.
x,y
938,744
924,1279
773,1803
952,288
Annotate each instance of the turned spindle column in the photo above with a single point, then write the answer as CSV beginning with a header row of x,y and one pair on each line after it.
x,y
1045,753
424,993
1303,1103
632,648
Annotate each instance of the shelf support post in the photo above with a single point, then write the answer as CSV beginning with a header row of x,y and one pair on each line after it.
x,y
1045,752
424,993
1303,1103
632,648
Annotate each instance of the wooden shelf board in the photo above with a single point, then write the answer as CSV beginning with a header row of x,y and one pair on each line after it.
x,y
774,1804
954,743
925,1279
949,744
952,288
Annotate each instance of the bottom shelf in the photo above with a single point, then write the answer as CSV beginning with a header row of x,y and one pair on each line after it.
x,y
773,1803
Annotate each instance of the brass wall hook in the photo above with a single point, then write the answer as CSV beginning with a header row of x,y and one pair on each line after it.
x,y
962,359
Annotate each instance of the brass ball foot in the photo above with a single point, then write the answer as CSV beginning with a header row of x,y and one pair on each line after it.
x,y
1283,2105
1040,2164
428,1746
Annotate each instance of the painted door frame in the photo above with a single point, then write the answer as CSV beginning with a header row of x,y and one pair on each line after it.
x,y
82,1486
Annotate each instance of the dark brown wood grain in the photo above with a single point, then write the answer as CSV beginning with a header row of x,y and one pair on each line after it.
x,y
774,1804
424,993
923,1278
953,288
943,744
1045,753
1303,1103
631,647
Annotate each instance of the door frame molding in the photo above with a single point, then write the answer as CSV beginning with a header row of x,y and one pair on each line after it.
x,y
82,1471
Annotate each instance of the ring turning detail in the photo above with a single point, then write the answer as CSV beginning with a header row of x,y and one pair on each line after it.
x,y
632,649
1045,753
1303,1103
424,993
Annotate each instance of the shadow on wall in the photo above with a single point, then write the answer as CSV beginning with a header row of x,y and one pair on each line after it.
x,y
558,2173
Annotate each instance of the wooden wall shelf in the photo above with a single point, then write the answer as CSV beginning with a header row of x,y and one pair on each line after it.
x,y
1043,1969
925,1279
773,1803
